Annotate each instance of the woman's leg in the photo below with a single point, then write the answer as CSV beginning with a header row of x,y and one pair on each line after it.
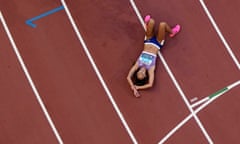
x,y
163,28
150,29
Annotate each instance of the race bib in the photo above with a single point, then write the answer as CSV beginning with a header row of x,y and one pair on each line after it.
x,y
146,58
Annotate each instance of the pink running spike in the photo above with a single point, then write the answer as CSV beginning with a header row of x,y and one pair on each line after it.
x,y
175,30
147,18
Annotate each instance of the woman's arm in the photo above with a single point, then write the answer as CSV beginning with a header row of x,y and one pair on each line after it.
x,y
150,81
130,73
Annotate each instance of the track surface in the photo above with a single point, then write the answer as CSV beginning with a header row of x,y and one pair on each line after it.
x,y
76,100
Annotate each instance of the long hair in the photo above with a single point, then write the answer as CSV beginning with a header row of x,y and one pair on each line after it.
x,y
137,81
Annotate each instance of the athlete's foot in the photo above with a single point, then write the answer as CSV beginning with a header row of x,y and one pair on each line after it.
x,y
175,30
147,19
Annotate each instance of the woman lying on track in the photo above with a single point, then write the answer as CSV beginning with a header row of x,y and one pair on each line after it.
x,y
141,75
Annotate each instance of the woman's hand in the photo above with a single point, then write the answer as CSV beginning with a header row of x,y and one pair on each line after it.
x,y
135,91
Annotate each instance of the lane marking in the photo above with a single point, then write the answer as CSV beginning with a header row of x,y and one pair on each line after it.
x,y
200,102
216,94
186,101
98,73
220,34
30,21
193,99
184,121
25,70
138,14
175,82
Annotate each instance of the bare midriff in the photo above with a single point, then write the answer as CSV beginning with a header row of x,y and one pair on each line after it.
x,y
150,48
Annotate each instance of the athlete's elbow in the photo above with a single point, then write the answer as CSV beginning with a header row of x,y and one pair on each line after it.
x,y
150,85
128,78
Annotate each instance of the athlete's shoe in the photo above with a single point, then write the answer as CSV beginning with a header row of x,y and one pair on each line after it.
x,y
147,19
175,30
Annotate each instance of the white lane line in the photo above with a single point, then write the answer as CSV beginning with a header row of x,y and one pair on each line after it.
x,y
193,99
234,85
98,73
138,13
199,102
175,81
25,70
185,100
216,94
184,121
220,34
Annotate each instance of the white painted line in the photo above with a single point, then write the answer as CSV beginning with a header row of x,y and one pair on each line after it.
x,y
199,102
98,73
175,81
185,100
184,121
234,85
193,99
25,70
138,14
220,34
219,94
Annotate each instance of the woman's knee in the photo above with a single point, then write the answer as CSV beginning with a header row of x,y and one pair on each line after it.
x,y
151,22
162,24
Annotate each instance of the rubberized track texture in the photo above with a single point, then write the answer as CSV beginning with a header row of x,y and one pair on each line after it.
x,y
64,66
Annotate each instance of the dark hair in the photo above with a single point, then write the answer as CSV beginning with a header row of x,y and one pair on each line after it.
x,y
137,81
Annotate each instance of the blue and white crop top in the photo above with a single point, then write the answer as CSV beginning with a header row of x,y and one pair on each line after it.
x,y
147,60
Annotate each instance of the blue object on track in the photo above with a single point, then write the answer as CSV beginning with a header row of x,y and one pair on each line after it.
x,y
30,21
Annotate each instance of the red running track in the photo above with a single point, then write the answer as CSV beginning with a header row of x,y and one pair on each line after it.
x,y
76,100
21,120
